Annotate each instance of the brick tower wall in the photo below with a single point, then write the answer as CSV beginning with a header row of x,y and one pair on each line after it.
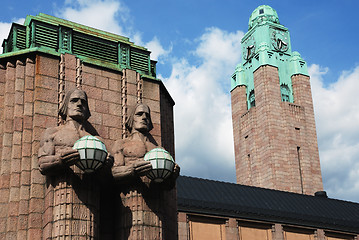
x,y
275,141
303,97
239,107
29,101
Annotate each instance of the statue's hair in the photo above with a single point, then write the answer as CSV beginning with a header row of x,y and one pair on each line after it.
x,y
65,103
129,122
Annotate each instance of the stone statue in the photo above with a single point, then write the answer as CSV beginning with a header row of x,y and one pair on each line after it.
x,y
130,151
142,202
74,201
56,153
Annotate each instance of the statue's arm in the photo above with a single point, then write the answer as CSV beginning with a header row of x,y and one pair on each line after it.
x,y
126,171
50,161
120,171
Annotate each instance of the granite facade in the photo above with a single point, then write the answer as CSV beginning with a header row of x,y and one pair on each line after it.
x,y
33,206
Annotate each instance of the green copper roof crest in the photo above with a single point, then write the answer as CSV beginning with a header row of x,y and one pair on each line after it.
x,y
54,35
42,17
261,14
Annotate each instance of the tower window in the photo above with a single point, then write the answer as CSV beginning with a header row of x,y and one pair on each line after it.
x,y
285,92
299,156
261,11
252,99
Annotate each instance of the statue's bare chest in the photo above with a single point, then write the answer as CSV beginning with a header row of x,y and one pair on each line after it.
x,y
134,149
65,137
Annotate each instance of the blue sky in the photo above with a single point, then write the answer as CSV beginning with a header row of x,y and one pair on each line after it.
x,y
197,45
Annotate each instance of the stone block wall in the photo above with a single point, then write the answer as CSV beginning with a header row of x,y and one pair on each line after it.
x,y
24,114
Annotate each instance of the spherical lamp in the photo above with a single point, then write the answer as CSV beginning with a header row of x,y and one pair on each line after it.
x,y
92,151
162,164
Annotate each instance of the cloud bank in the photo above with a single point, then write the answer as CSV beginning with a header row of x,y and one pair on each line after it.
x,y
337,118
203,125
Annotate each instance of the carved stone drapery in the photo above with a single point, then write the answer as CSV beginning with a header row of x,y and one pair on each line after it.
x,y
61,82
139,85
124,102
78,73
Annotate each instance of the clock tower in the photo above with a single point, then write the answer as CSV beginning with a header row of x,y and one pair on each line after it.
x,y
272,111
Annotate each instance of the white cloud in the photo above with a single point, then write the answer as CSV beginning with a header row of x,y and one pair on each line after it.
x,y
337,118
100,14
203,125
4,31
157,50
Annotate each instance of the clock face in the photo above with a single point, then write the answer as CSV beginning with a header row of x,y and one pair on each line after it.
x,y
280,40
249,48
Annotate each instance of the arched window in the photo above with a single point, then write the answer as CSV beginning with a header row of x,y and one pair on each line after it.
x,y
285,92
252,99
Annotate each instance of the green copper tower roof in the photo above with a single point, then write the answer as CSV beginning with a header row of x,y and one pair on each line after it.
x,y
267,42
261,14
45,33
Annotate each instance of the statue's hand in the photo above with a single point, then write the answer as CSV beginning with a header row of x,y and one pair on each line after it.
x,y
142,167
109,161
176,171
69,157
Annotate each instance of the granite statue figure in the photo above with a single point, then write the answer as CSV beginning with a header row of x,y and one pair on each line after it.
x,y
139,197
71,195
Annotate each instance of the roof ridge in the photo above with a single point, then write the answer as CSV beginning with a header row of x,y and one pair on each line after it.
x,y
266,189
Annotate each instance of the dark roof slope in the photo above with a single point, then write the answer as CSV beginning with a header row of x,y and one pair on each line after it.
x,y
204,196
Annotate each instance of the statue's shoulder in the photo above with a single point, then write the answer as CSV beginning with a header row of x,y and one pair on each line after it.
x,y
49,132
49,135
119,145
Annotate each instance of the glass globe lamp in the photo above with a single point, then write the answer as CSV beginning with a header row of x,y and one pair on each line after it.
x,y
162,164
92,151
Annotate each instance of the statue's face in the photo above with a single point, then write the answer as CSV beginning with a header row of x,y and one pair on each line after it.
x,y
141,119
77,107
